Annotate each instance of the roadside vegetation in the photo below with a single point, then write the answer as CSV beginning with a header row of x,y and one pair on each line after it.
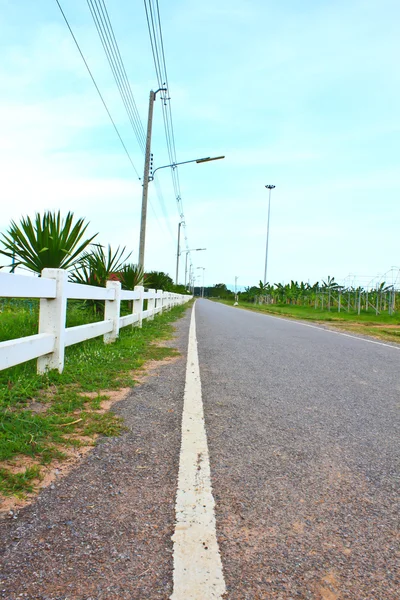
x,y
42,417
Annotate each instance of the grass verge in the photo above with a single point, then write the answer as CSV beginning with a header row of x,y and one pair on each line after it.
x,y
383,327
43,416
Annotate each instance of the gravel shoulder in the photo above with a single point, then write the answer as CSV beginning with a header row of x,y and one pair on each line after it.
x,y
103,532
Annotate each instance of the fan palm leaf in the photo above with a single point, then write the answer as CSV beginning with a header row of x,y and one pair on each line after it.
x,y
49,241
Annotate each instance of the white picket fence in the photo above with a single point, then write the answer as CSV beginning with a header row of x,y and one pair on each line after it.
x,y
54,290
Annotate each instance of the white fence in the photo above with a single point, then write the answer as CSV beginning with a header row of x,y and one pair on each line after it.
x,y
54,290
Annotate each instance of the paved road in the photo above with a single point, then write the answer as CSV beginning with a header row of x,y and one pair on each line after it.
x,y
302,428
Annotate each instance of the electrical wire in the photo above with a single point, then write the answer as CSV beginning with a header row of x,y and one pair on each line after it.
x,y
153,18
102,21
105,30
97,88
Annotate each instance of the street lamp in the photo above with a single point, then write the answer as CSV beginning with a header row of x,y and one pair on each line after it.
x,y
185,162
270,188
187,252
147,178
202,289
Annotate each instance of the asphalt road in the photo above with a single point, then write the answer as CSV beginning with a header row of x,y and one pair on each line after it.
x,y
302,427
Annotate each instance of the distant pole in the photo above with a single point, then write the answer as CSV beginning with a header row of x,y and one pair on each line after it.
x,y
270,188
187,252
178,252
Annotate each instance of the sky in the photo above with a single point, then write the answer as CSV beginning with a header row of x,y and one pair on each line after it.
x,y
300,94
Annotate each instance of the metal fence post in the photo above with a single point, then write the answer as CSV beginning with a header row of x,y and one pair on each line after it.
x,y
52,318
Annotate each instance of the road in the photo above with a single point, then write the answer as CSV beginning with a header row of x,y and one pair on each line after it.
x,y
302,426
297,428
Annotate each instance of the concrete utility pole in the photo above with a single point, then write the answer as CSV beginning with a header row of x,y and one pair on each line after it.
x,y
146,173
178,252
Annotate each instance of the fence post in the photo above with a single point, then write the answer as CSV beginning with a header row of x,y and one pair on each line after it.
x,y
112,311
52,317
160,301
138,305
151,303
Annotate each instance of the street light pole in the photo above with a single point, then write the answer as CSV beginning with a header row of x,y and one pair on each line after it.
x,y
187,252
270,188
145,190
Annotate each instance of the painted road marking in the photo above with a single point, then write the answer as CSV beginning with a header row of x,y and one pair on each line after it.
x,y
197,562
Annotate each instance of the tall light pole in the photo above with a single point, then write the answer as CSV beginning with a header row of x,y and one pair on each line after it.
x,y
270,188
187,252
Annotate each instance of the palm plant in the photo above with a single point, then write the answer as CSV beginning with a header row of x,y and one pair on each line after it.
x,y
159,280
49,241
131,275
97,267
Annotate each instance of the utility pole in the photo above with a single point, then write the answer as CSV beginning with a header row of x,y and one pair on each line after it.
x,y
146,173
178,252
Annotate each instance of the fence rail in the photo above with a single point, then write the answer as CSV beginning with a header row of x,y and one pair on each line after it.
x,y
54,290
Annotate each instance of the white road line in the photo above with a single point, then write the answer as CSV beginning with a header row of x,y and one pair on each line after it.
x,y
197,562
289,320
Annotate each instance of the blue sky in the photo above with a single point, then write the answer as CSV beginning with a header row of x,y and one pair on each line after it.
x,y
302,94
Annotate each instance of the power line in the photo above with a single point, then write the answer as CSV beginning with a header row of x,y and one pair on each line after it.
x,y
105,30
97,88
159,194
103,24
157,46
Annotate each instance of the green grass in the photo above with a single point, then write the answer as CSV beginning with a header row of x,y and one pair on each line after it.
x,y
61,413
18,484
367,322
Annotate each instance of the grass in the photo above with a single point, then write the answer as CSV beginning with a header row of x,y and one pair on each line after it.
x,y
383,326
41,416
